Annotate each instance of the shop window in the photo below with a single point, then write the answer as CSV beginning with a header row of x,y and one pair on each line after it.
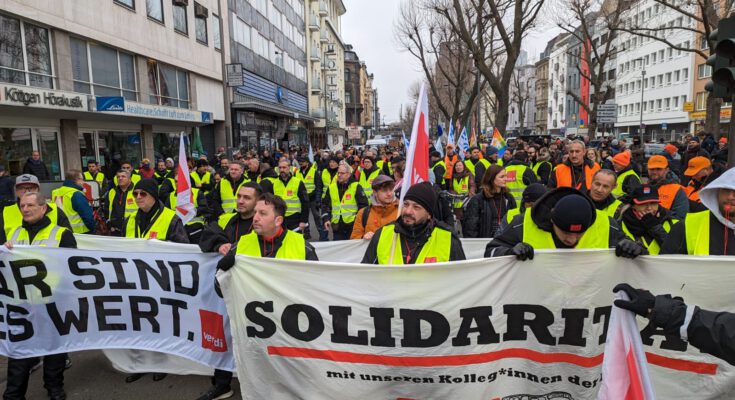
x,y
18,143
25,53
169,85
154,8
180,23
116,147
102,71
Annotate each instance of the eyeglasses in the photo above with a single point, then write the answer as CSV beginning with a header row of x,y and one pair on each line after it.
x,y
140,194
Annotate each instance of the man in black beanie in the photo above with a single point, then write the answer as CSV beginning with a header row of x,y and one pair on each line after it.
x,y
420,239
563,218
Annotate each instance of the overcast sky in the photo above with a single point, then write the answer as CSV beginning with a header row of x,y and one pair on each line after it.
x,y
369,28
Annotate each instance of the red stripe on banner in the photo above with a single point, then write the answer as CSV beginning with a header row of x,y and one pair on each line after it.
x,y
682,365
467,359
635,390
435,361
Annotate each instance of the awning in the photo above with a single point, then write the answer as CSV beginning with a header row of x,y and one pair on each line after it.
x,y
246,103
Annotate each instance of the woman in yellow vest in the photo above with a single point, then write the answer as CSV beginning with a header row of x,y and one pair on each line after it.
x,y
562,219
153,220
461,184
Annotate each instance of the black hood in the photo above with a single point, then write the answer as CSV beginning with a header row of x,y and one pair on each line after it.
x,y
541,211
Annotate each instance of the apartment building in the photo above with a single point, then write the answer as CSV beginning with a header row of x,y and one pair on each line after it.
x,y
109,80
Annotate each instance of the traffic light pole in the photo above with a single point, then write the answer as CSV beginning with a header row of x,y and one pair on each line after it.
x,y
731,137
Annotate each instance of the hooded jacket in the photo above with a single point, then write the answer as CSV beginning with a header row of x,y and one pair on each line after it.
x,y
721,231
541,216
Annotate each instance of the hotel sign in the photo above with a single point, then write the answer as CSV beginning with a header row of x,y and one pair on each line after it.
x,y
26,96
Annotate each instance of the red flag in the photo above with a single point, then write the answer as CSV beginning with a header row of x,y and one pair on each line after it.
x,y
417,156
184,205
624,367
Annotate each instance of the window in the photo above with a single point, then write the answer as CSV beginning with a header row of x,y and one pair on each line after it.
x,y
347,75
653,57
348,97
102,71
644,106
200,23
180,23
25,53
658,105
262,6
650,105
126,3
701,101
241,31
217,35
169,85
154,8
668,78
670,53
703,43
660,80
704,71
667,103
677,76
648,60
676,102
685,74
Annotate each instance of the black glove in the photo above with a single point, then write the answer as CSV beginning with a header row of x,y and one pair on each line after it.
x,y
226,262
522,251
628,248
641,301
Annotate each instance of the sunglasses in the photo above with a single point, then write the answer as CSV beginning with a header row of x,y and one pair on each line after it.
x,y
140,194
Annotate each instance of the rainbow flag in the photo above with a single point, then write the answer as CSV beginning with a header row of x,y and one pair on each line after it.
x,y
498,142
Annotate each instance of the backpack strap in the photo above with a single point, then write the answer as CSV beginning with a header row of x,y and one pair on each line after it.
x,y
365,215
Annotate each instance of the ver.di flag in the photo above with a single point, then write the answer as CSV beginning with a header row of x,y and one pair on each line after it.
x,y
184,206
417,155
450,135
463,144
624,367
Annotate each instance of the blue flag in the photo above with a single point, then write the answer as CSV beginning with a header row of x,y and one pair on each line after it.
x,y
463,143
439,130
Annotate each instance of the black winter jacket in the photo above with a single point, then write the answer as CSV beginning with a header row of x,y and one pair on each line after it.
x,y
484,215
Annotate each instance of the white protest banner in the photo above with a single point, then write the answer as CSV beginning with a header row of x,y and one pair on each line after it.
x,y
352,251
478,329
63,300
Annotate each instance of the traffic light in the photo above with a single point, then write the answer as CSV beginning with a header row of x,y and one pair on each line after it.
x,y
722,62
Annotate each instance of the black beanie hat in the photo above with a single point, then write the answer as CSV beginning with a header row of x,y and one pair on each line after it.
x,y
533,192
149,186
423,194
572,213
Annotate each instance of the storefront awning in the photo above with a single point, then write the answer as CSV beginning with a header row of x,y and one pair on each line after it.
x,y
246,104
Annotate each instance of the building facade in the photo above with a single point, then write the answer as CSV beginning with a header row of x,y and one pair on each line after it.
x,y
325,73
109,80
653,80
542,94
557,85
522,108
268,40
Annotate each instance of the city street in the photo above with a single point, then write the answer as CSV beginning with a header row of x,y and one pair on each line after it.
x,y
91,377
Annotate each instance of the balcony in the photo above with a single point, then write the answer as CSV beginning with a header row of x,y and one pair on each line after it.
x,y
314,23
323,9
316,86
315,56
318,113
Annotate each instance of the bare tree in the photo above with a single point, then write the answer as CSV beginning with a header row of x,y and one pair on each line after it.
x,y
700,17
444,59
493,31
520,95
593,26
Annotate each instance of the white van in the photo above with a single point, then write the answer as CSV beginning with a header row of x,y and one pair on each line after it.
x,y
376,142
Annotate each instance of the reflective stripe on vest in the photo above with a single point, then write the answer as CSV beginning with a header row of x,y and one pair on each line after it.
x,y
173,200
227,195
367,182
327,180
515,181
293,246
346,207
159,227
13,218
289,193
62,197
130,206
49,236
653,247
564,175
198,182
618,191
436,249
461,186
697,233
596,237
308,179
99,178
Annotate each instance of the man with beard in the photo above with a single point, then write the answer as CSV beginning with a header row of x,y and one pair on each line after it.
x,y
693,150
645,221
419,238
293,192
576,172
